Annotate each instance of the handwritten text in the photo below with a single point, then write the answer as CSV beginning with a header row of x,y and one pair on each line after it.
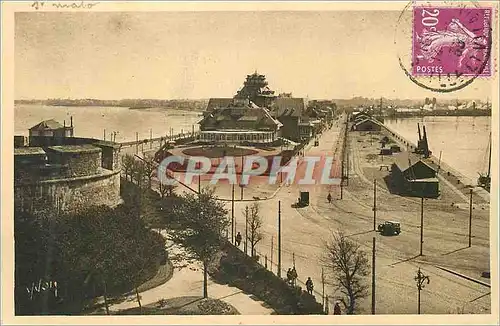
x,y
64,5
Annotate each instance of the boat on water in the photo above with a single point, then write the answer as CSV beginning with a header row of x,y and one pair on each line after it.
x,y
484,179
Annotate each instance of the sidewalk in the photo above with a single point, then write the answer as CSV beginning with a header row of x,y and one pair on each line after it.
x,y
187,280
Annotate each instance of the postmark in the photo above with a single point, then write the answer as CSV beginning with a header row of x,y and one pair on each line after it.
x,y
444,48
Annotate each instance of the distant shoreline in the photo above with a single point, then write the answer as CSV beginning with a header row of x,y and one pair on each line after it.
x,y
441,113
186,105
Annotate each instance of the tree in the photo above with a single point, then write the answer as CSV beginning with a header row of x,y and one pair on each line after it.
x,y
348,265
166,190
201,222
90,253
139,173
149,169
128,164
254,226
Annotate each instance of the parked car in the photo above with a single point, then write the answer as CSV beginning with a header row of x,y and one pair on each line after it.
x,y
389,228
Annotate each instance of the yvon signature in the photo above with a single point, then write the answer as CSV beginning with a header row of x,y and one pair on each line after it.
x,y
64,5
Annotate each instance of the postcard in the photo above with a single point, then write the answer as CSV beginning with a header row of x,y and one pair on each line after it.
x,y
250,162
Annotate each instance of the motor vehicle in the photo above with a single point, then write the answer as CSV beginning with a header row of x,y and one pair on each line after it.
x,y
303,199
389,228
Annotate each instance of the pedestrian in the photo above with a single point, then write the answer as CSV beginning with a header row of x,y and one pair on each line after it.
x,y
238,239
329,197
309,286
294,276
289,276
336,309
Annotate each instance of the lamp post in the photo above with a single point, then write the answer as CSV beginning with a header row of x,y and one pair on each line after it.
x,y
421,279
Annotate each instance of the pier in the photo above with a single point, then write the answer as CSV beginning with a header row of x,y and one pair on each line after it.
x,y
456,179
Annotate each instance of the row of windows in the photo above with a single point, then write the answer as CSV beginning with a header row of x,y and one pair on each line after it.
x,y
238,137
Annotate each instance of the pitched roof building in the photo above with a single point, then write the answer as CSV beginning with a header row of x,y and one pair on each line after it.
x,y
220,102
241,121
51,128
282,111
366,125
413,176
288,106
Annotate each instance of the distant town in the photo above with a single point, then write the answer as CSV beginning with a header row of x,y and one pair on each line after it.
x,y
397,108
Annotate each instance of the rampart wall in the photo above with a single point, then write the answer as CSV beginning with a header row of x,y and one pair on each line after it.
x,y
68,194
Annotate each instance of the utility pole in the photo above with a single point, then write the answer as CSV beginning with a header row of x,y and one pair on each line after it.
x,y
470,219
136,143
232,216
323,287
342,180
104,135
150,138
246,230
374,205
420,279
279,238
439,162
199,183
272,251
373,277
421,225
241,192
347,169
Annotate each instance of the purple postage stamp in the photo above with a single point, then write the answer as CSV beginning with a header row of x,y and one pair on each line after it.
x,y
451,41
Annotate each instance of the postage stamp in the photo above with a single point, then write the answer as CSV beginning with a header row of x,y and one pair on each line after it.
x,y
451,41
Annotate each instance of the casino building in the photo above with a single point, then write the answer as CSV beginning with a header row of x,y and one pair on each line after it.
x,y
240,121
255,115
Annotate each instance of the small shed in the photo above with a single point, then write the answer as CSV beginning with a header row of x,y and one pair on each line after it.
x,y
366,125
359,115
385,151
413,176
20,141
395,149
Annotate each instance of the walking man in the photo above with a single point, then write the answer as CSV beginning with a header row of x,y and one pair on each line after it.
x,y
238,239
336,309
289,276
294,276
329,198
309,286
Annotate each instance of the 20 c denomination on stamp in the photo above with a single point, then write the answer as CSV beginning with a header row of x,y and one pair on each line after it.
x,y
451,42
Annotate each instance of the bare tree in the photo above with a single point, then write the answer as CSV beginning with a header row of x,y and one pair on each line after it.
x,y
138,172
254,226
150,168
202,220
128,164
348,266
166,190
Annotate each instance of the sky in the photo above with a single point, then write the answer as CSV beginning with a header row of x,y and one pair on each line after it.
x,y
172,55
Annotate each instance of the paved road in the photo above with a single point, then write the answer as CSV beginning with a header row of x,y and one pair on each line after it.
x,y
305,231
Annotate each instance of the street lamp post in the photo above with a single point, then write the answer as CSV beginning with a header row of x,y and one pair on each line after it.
x,y
421,279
